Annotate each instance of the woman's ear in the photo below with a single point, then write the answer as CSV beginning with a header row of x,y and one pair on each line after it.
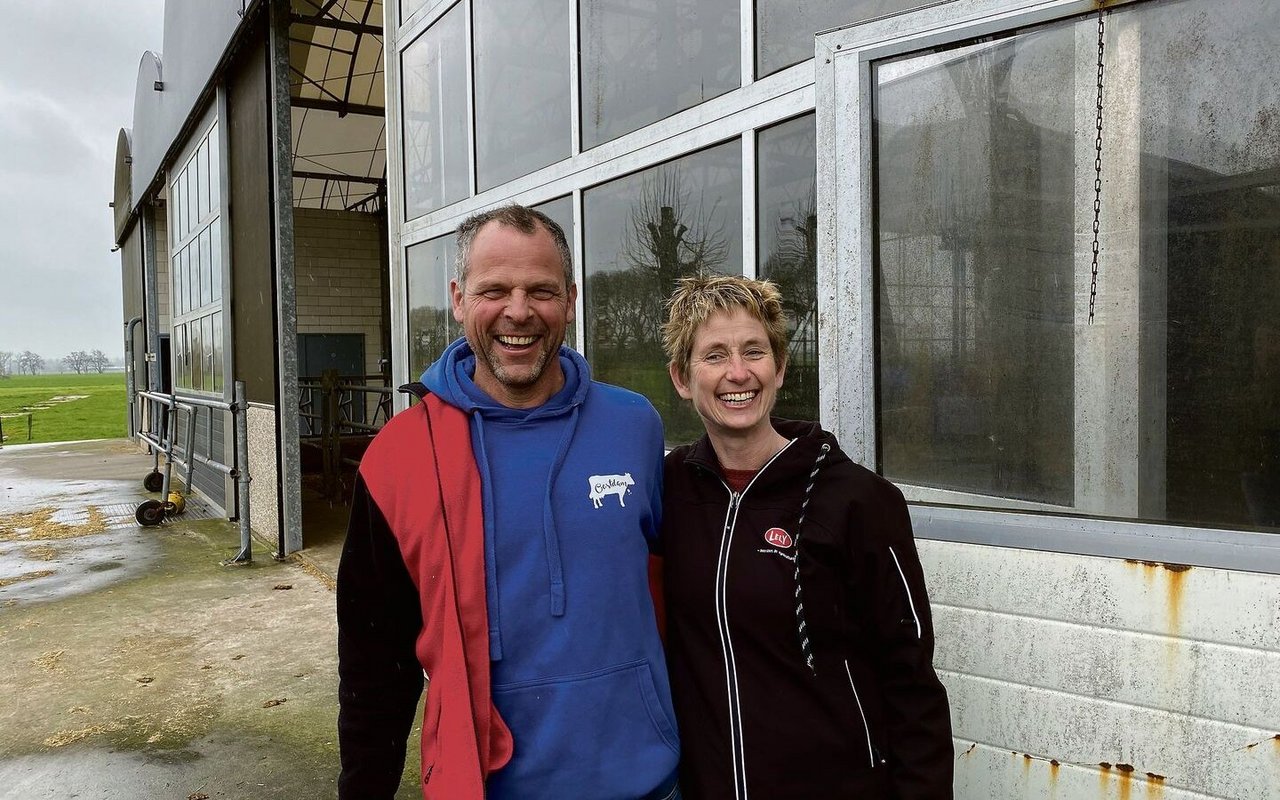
x,y
678,381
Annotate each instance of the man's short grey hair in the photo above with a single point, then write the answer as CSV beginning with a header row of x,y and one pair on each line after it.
x,y
522,218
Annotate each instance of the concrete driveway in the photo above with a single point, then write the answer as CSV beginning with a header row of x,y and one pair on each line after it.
x,y
133,665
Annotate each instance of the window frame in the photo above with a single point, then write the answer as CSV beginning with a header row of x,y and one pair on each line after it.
x,y
847,298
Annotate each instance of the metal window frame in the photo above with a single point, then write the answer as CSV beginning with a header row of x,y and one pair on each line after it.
x,y
846,288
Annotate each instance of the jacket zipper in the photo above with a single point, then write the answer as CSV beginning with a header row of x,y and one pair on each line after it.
x,y
737,750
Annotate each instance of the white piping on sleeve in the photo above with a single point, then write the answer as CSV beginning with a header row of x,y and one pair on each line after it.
x,y
910,602
871,753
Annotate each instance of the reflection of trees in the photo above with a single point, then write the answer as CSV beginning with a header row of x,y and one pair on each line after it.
x,y
793,265
667,236
431,330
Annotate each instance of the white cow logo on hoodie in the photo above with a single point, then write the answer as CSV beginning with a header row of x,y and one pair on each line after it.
x,y
602,485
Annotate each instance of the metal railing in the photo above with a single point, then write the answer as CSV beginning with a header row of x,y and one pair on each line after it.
x,y
335,407
157,425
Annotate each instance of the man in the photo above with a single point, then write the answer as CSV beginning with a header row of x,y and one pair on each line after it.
x,y
498,543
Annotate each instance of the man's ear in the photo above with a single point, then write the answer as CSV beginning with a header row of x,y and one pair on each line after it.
x,y
455,294
678,381
573,302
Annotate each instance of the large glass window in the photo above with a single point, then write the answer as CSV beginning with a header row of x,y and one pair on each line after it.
x,y
561,212
197,269
434,76
521,55
643,60
431,323
992,379
785,30
642,232
787,233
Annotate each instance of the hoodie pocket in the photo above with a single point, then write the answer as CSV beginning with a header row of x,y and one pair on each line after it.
x,y
599,734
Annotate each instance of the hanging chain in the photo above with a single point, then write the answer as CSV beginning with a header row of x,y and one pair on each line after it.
x,y
1097,169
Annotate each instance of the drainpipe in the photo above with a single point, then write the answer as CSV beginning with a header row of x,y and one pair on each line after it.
x,y
129,386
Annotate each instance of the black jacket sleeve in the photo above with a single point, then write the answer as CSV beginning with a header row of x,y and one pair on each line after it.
x,y
920,754
379,677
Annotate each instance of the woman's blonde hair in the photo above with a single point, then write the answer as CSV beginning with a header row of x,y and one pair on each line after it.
x,y
697,297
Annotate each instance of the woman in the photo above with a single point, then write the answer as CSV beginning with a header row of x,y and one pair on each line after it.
x,y
799,637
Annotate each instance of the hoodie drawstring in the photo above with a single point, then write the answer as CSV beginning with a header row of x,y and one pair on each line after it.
x,y
802,629
555,567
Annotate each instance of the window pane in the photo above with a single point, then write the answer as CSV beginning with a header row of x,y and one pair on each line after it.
x,y
197,354
435,117
431,323
216,343
561,212
179,288
785,30
206,269
787,235
200,164
643,60
992,378
644,231
214,168
522,87
206,333
181,357
215,258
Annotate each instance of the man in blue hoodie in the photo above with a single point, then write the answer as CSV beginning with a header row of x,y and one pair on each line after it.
x,y
570,500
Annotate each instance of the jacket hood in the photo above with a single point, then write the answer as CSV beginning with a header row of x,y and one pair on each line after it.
x,y
451,378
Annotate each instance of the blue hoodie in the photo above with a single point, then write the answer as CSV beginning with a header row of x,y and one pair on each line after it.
x,y
572,501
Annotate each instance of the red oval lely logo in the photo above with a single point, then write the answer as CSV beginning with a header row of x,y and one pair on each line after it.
x,y
777,537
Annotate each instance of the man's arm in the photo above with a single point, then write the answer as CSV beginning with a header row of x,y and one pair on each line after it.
x,y
920,753
379,677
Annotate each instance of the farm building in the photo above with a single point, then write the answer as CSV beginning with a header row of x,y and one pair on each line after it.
x,y
1031,252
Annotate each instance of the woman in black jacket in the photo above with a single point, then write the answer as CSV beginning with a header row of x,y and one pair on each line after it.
x,y
799,636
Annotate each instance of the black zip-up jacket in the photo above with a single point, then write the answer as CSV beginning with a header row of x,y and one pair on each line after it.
x,y
854,711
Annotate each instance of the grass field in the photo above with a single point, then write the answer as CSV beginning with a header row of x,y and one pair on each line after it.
x,y
62,408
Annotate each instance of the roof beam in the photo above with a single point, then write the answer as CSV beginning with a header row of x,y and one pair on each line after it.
x,y
337,176
338,107
336,24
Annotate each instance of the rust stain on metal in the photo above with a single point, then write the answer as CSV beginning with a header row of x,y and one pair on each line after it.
x,y
1054,766
1126,783
1104,779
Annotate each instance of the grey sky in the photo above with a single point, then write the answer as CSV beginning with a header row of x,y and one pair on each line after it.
x,y
67,72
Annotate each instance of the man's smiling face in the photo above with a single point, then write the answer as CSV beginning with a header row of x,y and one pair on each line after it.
x,y
514,308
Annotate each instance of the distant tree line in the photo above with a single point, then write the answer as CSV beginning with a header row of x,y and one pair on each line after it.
x,y
29,363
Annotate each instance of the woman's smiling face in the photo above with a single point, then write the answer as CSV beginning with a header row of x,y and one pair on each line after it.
x,y
733,376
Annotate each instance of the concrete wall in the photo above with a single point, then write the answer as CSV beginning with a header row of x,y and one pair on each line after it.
x,y
1085,677
339,276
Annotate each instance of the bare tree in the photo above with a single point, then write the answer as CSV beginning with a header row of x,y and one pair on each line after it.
x,y
6,362
98,361
77,361
29,362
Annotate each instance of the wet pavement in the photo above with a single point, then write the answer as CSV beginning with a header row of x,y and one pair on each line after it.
x,y
134,665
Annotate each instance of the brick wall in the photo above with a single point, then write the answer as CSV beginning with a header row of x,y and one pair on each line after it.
x,y
339,276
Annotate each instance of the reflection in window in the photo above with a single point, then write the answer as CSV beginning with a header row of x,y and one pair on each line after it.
x,y
642,232
521,87
785,30
435,116
561,212
644,60
787,220
991,379
431,323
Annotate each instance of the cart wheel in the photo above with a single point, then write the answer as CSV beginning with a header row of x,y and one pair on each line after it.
x,y
150,513
154,481
176,504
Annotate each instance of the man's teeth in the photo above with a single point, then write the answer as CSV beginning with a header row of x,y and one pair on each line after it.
x,y
737,397
517,341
